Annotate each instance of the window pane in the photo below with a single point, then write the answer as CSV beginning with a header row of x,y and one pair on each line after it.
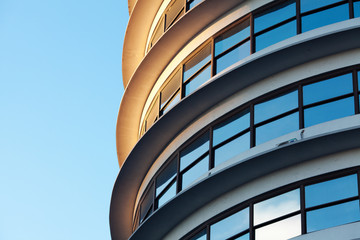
x,y
274,15
198,80
194,151
329,111
277,128
326,17
172,103
329,88
197,62
307,5
232,37
331,190
171,87
230,226
233,56
153,115
356,9
358,75
231,126
174,11
277,206
166,176
200,236
276,35
243,237
147,203
231,149
195,172
171,192
194,3
158,32
282,230
276,106
333,216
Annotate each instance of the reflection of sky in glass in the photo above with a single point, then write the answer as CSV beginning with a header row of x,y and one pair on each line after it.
x,y
333,216
173,102
329,111
277,206
147,202
230,127
331,190
230,226
165,176
326,17
194,151
171,192
196,82
194,3
307,5
243,237
329,88
274,16
233,56
200,236
282,230
196,171
356,9
275,106
197,62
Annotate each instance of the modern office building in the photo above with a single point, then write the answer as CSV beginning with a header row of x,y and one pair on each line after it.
x,y
240,120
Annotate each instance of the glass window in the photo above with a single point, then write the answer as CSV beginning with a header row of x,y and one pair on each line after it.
x,y
171,87
232,148
193,3
233,56
307,5
276,106
333,216
358,76
194,151
277,206
326,17
331,190
195,172
276,35
232,37
244,237
200,236
153,114
166,176
329,111
281,230
230,226
146,204
329,88
172,103
274,15
356,9
158,32
197,62
168,194
174,12
198,80
231,127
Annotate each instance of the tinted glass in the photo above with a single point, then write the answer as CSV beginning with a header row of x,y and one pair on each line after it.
x,y
326,17
194,151
307,5
276,35
230,226
171,192
231,149
166,176
277,128
195,172
197,62
329,111
282,230
243,237
233,56
231,126
171,87
276,106
153,114
194,3
198,80
330,191
174,11
356,9
329,88
333,216
274,15
172,103
232,37
277,206
200,236
146,203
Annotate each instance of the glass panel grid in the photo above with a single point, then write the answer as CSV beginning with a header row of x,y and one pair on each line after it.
x,y
195,172
233,56
198,80
197,62
194,151
308,5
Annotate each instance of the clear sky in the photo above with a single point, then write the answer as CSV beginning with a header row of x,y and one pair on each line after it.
x,y
61,86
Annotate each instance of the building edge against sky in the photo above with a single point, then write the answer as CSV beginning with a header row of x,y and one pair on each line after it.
x,y
239,120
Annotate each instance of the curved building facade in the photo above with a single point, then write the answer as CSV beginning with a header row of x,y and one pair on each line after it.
x,y
239,120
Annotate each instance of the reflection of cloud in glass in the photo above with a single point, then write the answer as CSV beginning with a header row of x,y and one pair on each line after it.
x,y
282,230
230,226
277,206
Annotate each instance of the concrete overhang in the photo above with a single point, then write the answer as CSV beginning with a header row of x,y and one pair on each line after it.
x,y
292,52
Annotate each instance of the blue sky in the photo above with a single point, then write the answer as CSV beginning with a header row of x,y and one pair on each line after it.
x,y
61,86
